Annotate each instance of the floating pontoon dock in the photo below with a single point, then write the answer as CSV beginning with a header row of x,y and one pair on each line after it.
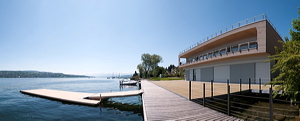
x,y
78,97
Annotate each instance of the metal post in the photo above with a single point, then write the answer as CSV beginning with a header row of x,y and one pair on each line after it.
x,y
228,100
227,82
271,104
190,90
211,88
260,91
100,98
240,86
249,84
203,94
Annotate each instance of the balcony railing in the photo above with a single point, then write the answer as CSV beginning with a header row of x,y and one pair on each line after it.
x,y
229,28
247,46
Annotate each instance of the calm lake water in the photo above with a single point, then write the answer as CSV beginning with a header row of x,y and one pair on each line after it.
x,y
15,106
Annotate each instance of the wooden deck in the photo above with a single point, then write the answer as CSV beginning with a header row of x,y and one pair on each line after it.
x,y
92,99
161,104
66,96
181,87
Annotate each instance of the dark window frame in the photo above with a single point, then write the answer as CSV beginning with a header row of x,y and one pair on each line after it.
x,y
223,51
251,45
234,48
244,46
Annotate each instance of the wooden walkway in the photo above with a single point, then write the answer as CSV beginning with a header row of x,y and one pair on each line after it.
x,y
161,104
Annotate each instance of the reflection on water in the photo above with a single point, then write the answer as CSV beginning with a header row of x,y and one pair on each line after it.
x,y
137,108
15,106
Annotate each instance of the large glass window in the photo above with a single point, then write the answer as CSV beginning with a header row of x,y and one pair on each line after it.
x,y
244,46
209,55
234,48
201,58
253,45
223,51
205,56
216,53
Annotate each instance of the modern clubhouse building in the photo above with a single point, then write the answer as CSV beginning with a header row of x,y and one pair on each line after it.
x,y
237,52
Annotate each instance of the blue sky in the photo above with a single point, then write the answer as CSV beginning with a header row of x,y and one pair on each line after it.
x,y
109,36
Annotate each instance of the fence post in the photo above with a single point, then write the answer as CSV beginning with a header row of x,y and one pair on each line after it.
x,y
212,89
227,82
240,86
228,100
249,84
203,94
190,90
260,91
271,104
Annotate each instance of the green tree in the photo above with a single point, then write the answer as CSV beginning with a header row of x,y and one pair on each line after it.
x,y
141,71
288,64
149,63
158,70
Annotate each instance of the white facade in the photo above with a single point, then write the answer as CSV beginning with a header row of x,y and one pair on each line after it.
x,y
233,69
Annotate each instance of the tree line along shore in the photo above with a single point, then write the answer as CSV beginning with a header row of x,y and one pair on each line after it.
x,y
37,74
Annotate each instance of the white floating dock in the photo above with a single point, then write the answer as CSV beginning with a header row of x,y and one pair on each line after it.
x,y
78,97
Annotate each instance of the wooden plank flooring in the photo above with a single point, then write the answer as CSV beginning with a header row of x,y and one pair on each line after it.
x,y
79,97
72,97
161,104
181,87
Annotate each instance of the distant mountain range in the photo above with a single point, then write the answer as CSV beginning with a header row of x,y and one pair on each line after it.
x,y
37,74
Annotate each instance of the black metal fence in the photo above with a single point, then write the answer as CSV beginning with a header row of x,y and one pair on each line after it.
x,y
252,101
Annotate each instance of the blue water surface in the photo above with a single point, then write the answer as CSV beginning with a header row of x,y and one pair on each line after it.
x,y
15,106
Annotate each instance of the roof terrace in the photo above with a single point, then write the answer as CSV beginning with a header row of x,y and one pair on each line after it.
x,y
228,29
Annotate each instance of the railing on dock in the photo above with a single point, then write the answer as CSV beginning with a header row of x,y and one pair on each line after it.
x,y
235,99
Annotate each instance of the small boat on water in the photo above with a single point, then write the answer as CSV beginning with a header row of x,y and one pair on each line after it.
x,y
128,82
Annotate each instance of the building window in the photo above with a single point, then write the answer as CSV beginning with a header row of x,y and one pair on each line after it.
x,y
205,56
201,58
253,45
244,46
234,48
223,51
216,53
210,55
